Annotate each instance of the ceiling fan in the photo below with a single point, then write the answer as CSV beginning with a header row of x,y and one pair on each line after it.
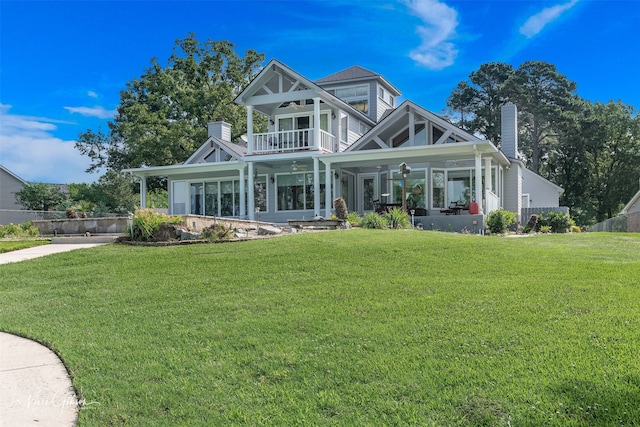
x,y
455,163
295,105
295,166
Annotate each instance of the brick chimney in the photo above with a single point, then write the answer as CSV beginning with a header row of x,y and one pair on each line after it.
x,y
219,129
509,119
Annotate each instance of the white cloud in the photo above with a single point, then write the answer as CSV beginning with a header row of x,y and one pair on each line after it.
x,y
537,22
92,94
30,150
97,111
440,21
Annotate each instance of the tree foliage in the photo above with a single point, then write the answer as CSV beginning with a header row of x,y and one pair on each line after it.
x,y
41,197
541,93
478,100
545,97
592,150
598,160
162,117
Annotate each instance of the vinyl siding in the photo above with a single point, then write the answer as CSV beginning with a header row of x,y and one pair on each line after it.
x,y
512,200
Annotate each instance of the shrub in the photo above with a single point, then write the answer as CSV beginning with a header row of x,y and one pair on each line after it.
x,y
557,221
146,222
575,229
499,221
217,232
354,219
546,229
26,229
397,218
29,229
373,220
9,230
340,207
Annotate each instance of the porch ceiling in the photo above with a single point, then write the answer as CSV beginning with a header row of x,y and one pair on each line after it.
x,y
177,170
431,153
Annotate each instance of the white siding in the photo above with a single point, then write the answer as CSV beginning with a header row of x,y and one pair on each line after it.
x,y
381,106
542,193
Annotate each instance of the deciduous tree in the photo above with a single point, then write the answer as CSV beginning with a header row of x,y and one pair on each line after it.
x,y
41,197
162,117
544,97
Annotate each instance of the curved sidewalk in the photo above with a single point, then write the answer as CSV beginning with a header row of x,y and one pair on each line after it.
x,y
38,251
36,388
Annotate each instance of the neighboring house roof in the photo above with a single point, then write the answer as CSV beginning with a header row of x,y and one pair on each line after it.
x,y
534,175
356,73
633,205
13,174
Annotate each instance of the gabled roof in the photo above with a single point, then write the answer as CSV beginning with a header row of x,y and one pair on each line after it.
x,y
275,66
395,114
356,73
538,177
635,199
13,175
237,151
351,73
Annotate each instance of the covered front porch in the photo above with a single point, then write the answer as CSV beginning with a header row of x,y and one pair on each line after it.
x,y
303,185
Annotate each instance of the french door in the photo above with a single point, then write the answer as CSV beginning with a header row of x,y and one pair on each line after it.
x,y
367,192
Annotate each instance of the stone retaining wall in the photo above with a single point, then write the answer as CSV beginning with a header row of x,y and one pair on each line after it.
x,y
112,225
198,223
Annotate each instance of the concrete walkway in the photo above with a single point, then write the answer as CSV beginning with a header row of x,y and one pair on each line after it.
x,y
36,388
38,251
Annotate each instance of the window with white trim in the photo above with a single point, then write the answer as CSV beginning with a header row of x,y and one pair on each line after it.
x,y
356,96
386,96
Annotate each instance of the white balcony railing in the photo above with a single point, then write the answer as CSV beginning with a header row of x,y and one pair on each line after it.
x,y
291,140
327,142
492,202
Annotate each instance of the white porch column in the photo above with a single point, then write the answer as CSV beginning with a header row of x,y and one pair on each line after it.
x,y
316,186
249,129
243,198
479,182
316,123
488,185
250,192
412,128
143,192
327,190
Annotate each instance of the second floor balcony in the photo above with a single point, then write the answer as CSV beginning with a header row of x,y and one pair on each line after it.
x,y
293,140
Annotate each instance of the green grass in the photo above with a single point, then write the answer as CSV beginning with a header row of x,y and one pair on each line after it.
x,y
14,245
359,327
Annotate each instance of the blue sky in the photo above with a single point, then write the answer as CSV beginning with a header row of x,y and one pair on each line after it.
x,y
63,63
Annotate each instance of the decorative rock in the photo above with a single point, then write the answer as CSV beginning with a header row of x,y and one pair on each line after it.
x,y
188,235
267,230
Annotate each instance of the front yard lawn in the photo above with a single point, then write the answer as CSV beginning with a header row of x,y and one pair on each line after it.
x,y
358,327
